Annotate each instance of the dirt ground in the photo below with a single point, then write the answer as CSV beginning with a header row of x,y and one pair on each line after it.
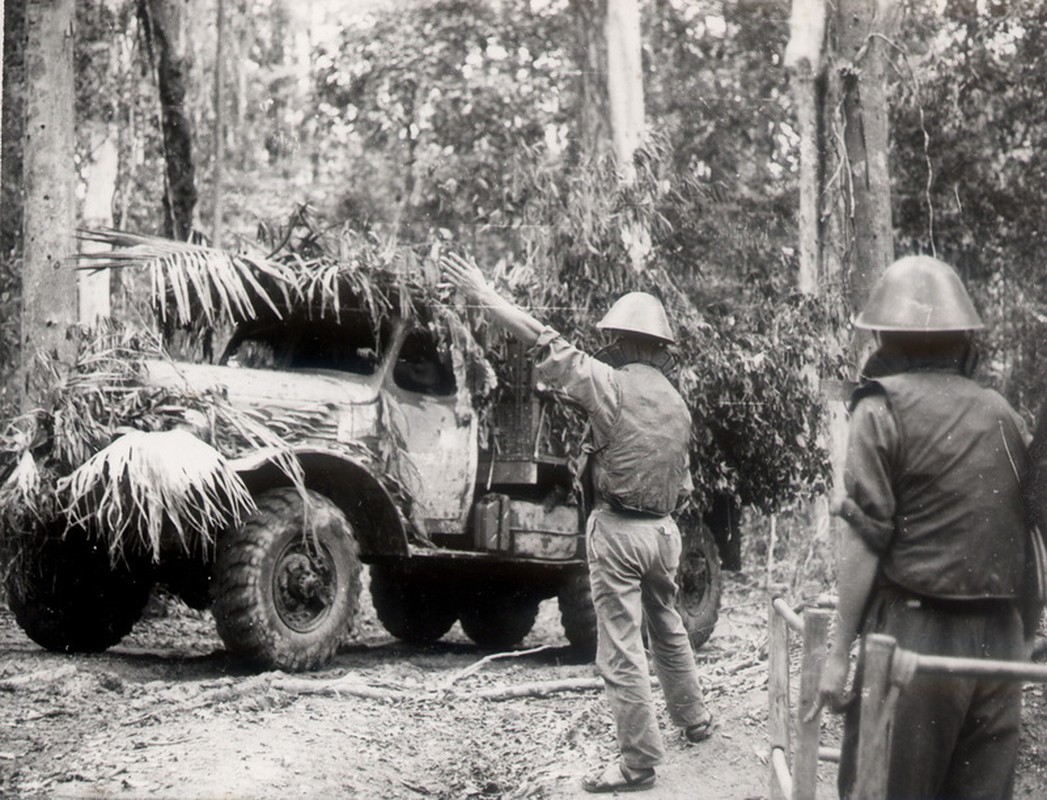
x,y
167,714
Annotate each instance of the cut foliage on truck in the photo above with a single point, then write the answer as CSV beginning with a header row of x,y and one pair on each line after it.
x,y
338,411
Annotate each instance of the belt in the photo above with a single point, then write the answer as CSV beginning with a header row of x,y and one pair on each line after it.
x,y
951,605
628,513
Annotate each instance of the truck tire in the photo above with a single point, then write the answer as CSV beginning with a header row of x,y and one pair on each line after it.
x,y
413,608
700,581
497,618
67,597
577,615
285,597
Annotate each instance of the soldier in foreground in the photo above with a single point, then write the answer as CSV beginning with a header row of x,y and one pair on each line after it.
x,y
640,428
934,544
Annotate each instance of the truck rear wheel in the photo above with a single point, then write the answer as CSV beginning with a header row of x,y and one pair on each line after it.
x,y
67,596
497,618
577,615
287,596
699,580
413,608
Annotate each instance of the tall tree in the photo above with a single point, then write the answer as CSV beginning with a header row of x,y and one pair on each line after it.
x,y
590,17
803,59
11,200
164,32
13,115
1,88
49,291
626,107
624,81
219,125
865,29
100,178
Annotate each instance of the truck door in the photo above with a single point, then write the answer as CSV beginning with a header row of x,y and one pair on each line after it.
x,y
436,455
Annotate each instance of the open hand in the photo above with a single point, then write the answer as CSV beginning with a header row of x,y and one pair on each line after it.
x,y
463,275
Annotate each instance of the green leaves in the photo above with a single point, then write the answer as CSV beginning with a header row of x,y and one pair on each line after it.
x,y
968,167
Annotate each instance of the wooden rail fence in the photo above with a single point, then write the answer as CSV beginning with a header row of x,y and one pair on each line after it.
x,y
799,782
887,667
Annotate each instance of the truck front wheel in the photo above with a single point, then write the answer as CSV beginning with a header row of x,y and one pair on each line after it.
x,y
286,595
67,596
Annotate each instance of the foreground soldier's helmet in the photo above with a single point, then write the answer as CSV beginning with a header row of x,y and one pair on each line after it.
x,y
638,312
919,293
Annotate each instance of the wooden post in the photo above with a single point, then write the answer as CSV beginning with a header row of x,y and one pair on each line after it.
x,y
873,750
805,763
777,694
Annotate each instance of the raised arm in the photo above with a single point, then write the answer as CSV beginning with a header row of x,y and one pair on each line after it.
x,y
467,277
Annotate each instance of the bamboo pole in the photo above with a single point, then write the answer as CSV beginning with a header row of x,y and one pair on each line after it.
x,y
981,668
805,761
781,780
792,619
829,754
871,781
778,701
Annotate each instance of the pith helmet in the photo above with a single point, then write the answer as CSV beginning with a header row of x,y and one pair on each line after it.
x,y
919,293
638,312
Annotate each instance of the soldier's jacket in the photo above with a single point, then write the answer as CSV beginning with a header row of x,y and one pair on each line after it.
x,y
933,484
640,425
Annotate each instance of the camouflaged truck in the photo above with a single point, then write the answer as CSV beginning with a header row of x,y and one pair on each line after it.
x,y
460,516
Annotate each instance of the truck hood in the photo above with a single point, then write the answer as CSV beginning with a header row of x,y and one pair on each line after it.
x,y
266,387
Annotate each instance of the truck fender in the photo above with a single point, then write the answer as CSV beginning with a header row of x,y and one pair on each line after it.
x,y
378,520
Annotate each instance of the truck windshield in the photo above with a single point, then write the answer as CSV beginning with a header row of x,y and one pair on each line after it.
x,y
348,345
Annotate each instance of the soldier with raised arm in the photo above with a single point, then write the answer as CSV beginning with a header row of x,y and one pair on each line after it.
x,y
640,439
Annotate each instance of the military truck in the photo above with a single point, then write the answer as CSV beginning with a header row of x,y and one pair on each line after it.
x,y
461,513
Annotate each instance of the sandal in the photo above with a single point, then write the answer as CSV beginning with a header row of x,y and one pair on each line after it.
x,y
615,778
700,731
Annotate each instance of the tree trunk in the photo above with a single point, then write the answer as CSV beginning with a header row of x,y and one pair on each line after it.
x,y
865,28
1,92
162,23
624,82
803,60
13,121
625,105
859,242
49,295
594,138
100,177
219,124
243,45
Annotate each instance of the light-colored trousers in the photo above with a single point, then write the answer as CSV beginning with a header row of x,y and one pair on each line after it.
x,y
632,570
